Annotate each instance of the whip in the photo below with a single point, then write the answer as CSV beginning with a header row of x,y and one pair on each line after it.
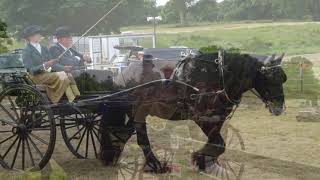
x,y
94,25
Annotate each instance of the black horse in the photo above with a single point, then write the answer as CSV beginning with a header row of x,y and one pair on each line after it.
x,y
220,80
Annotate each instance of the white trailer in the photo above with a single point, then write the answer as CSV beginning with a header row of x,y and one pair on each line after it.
x,y
101,48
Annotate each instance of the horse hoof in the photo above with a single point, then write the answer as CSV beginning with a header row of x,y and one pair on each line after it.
x,y
157,170
201,162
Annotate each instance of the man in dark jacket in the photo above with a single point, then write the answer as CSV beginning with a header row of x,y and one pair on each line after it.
x,y
71,59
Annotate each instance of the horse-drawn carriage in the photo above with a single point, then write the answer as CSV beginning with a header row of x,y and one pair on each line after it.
x,y
99,125
29,121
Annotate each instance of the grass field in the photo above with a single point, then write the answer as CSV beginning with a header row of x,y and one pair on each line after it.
x,y
293,38
290,37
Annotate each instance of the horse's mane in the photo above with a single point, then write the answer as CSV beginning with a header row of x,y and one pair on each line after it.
x,y
232,56
236,65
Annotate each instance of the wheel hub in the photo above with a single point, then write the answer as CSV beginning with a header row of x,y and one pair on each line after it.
x,y
21,130
88,122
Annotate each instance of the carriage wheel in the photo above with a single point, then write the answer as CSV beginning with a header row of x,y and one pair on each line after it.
x,y
128,164
225,167
132,161
166,157
27,128
80,132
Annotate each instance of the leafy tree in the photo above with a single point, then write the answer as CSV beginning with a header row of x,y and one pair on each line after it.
x,y
205,10
314,8
78,14
182,6
4,39
169,14
216,48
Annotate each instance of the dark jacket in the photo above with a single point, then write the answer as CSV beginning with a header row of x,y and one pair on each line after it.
x,y
33,60
68,59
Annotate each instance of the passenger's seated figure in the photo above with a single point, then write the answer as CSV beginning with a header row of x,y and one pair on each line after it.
x,y
72,62
40,65
138,73
71,59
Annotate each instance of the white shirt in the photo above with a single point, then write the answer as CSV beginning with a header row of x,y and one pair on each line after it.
x,y
37,46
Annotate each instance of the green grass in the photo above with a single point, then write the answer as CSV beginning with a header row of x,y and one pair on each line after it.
x,y
308,88
289,37
52,172
263,37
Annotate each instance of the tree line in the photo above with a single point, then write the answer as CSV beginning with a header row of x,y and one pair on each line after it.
x,y
182,11
78,14
81,14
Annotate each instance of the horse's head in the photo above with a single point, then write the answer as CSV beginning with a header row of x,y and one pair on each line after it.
x,y
241,73
269,84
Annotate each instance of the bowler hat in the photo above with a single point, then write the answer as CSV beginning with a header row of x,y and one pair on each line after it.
x,y
32,30
63,31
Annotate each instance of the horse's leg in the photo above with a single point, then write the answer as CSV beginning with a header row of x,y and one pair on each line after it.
x,y
215,145
143,140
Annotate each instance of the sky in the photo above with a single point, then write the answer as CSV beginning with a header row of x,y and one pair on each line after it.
x,y
163,2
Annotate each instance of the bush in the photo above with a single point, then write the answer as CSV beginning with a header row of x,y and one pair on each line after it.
x,y
216,48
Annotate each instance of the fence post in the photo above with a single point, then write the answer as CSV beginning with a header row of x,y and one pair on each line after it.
x,y
301,66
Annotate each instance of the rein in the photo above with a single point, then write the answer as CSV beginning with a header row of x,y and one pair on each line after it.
x,y
259,97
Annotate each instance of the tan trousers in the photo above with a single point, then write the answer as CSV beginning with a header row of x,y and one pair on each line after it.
x,y
72,91
54,84
57,84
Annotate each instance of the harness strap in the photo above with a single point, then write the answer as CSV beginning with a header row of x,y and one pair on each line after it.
x,y
220,62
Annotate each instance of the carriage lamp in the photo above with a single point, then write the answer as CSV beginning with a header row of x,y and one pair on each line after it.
x,y
155,21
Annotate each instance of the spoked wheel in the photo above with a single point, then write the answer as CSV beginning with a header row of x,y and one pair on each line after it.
x,y
80,132
129,162
227,167
165,156
27,128
132,162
